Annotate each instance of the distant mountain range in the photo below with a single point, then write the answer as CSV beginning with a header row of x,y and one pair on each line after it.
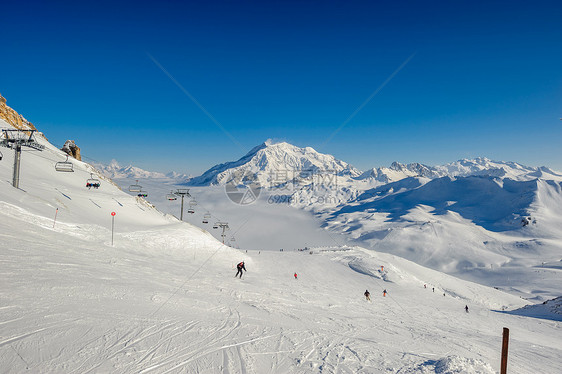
x,y
275,162
115,171
269,159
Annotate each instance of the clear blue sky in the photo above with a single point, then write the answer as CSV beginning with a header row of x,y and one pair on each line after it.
x,y
485,78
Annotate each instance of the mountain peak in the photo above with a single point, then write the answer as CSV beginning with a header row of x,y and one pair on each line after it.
x,y
270,158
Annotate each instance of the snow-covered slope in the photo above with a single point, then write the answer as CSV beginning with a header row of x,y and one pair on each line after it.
x,y
275,163
163,299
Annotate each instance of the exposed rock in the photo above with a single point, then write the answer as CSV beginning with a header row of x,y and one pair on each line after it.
x,y
71,149
12,117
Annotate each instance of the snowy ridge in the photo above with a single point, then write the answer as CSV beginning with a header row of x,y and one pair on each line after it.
x,y
398,171
115,171
485,167
479,166
550,309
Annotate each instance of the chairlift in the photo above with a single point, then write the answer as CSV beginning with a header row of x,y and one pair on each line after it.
x,y
142,194
216,225
93,182
233,239
135,187
64,166
1,155
172,196
192,205
206,217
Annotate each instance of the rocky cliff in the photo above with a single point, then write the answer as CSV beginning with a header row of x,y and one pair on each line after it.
x,y
16,120
12,117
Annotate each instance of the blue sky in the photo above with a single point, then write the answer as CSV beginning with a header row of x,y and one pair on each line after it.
x,y
485,79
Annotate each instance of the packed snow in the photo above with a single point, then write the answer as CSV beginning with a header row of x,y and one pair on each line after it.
x,y
163,298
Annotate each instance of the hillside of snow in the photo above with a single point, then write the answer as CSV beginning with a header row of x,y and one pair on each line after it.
x,y
478,219
163,298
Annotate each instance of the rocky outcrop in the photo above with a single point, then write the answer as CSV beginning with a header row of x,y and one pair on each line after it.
x,y
71,149
12,117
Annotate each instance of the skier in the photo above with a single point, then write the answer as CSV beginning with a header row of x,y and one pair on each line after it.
x,y
433,289
425,286
367,295
466,308
296,276
240,266
384,293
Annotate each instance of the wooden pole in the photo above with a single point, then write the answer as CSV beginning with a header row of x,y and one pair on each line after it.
x,y
505,343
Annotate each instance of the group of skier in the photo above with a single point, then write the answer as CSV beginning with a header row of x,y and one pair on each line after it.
x,y
367,294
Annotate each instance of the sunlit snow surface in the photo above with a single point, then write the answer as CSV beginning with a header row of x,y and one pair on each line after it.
x,y
163,298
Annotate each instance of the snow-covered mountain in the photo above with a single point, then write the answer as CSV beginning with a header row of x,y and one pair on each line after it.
x,y
115,171
274,164
485,167
480,166
398,171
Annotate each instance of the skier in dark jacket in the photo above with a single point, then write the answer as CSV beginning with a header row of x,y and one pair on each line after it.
x,y
240,266
367,295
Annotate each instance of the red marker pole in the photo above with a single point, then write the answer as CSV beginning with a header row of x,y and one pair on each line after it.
x,y
55,220
112,226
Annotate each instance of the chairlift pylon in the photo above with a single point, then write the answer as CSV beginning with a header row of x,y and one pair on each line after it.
x,y
93,182
135,187
64,166
172,196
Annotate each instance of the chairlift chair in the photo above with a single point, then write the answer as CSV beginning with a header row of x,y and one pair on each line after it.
x,y
216,225
64,166
192,205
206,217
171,196
93,182
135,187
1,155
142,194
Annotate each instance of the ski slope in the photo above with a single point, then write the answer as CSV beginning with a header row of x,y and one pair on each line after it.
x,y
163,298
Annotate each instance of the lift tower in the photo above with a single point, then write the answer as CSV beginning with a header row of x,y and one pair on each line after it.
x,y
16,139
183,192
224,227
